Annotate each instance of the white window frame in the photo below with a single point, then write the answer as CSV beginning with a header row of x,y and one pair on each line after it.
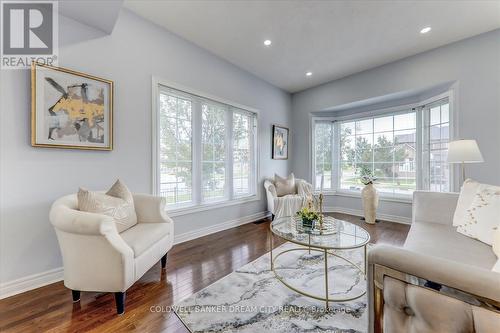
x,y
453,117
197,205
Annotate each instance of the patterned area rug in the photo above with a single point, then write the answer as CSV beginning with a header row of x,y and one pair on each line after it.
x,y
252,299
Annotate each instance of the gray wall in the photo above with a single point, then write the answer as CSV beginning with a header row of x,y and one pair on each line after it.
x,y
475,66
32,178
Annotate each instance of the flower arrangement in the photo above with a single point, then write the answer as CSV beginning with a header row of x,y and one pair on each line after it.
x,y
308,216
367,177
366,180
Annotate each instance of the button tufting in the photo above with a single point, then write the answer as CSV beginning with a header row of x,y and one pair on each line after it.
x,y
408,311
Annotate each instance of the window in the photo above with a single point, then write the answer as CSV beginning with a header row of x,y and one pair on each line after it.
x,y
435,147
213,140
175,148
242,153
205,150
323,146
388,146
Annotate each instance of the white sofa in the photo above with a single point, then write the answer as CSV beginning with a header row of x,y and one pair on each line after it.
x,y
439,281
98,258
287,205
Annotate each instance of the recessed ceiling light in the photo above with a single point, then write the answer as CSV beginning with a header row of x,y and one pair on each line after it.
x,y
267,42
309,73
425,30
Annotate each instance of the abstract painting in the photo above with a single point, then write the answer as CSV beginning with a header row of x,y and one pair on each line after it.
x,y
280,142
70,109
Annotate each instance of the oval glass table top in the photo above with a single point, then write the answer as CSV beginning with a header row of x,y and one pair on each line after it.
x,y
348,235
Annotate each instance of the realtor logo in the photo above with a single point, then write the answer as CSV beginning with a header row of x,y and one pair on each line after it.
x,y
29,33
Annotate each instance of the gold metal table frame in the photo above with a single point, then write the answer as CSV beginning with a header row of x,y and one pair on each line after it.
x,y
326,252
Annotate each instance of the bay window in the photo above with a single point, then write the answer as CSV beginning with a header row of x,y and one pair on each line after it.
x,y
323,147
205,150
405,150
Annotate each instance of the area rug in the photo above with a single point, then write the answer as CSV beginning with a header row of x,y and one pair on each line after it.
x,y
252,299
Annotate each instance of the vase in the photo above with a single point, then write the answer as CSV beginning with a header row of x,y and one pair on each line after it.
x,y
308,224
370,203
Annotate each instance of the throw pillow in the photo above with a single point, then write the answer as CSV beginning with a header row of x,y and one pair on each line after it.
x,y
467,193
117,203
285,186
483,215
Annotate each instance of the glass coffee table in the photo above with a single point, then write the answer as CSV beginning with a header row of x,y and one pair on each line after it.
x,y
347,236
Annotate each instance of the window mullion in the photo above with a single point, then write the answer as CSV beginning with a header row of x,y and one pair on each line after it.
x,y
228,119
395,166
422,167
373,146
335,156
197,151
253,160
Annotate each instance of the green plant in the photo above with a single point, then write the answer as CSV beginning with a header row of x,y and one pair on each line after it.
x,y
366,176
307,214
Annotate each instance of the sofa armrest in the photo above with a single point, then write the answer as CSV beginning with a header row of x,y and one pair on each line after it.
x,y
270,188
82,223
150,209
95,256
434,207
469,279
271,195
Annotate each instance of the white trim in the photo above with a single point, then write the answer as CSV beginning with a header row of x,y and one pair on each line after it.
x,y
155,146
382,196
375,113
38,280
187,236
210,205
170,84
30,282
358,212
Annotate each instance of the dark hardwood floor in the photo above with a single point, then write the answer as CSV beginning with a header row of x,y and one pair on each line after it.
x,y
191,266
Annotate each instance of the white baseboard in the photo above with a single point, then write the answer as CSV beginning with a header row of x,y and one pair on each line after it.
x,y
187,236
38,280
30,282
359,212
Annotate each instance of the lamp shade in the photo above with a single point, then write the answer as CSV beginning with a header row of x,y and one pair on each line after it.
x,y
464,151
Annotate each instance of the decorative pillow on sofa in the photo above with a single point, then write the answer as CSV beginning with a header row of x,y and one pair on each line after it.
x,y
117,203
467,193
285,186
482,219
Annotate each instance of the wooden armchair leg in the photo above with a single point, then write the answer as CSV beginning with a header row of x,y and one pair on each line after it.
x,y
76,295
164,261
120,302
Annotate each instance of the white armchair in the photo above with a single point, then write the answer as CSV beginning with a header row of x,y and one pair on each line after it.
x,y
287,205
98,258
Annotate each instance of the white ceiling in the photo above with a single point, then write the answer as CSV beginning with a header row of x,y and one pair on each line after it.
x,y
332,39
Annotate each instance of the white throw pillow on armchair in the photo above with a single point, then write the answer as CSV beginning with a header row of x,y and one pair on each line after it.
x,y
285,186
482,218
118,203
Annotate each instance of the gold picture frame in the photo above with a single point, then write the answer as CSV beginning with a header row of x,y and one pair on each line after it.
x,y
70,109
280,142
